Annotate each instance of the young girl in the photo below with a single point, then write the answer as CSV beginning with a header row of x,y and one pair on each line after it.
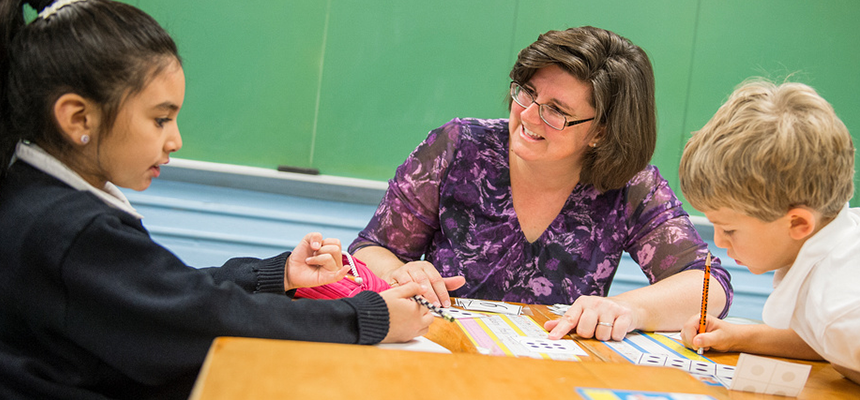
x,y
90,306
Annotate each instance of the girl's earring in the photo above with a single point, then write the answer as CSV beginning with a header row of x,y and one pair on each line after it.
x,y
85,139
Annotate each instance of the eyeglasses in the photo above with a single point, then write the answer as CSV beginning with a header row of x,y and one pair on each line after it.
x,y
554,118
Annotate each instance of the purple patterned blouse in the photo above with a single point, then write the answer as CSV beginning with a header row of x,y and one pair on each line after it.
x,y
450,202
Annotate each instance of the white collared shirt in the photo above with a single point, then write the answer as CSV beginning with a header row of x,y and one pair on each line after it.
x,y
818,296
41,160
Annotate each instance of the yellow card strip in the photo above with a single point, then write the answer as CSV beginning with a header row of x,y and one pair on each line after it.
x,y
675,346
514,325
493,336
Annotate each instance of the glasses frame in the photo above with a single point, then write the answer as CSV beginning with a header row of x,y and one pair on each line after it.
x,y
516,87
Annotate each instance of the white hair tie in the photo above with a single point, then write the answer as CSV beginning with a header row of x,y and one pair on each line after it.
x,y
56,6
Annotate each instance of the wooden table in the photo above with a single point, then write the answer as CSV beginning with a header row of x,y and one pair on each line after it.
x,y
823,383
241,368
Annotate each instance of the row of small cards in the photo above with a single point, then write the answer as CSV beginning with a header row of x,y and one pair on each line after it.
x,y
707,372
752,373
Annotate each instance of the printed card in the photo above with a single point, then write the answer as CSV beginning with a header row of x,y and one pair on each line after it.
x,y
551,346
491,306
458,313
605,394
766,375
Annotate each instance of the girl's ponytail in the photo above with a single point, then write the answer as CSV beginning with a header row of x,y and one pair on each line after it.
x,y
11,21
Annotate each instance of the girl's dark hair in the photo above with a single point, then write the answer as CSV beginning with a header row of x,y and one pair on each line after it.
x,y
102,50
622,83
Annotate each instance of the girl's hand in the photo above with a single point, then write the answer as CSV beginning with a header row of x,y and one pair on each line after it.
x,y
315,261
408,319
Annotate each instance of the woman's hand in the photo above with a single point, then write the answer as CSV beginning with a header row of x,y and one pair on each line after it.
x,y
407,318
426,275
315,261
594,316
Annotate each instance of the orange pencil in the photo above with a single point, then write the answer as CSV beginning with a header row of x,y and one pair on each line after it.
x,y
703,319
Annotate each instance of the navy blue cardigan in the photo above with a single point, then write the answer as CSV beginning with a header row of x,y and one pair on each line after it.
x,y
92,308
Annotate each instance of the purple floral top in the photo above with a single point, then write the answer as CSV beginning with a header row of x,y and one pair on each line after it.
x,y
450,202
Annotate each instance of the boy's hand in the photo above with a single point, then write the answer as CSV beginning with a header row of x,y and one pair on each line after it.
x,y
315,261
717,336
753,338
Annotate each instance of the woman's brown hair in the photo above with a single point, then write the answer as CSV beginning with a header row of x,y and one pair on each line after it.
x,y
622,84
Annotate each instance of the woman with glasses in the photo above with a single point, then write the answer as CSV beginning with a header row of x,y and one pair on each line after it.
x,y
539,208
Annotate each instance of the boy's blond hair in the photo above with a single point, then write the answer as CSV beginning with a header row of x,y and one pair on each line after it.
x,y
768,149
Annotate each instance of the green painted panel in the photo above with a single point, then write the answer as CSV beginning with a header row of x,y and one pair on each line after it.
x,y
252,69
810,42
396,70
351,87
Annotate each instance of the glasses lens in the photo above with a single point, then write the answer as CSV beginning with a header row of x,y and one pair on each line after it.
x,y
552,117
521,96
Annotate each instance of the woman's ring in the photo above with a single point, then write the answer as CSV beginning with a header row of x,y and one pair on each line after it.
x,y
609,324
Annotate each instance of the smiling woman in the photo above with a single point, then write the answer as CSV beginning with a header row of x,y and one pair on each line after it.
x,y
539,207
559,147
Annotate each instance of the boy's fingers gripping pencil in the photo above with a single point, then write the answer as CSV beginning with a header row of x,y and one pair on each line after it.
x,y
703,319
434,309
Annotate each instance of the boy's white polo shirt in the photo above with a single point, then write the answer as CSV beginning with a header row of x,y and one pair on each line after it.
x,y
819,295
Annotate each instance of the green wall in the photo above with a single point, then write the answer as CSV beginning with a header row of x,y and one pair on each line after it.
x,y
351,87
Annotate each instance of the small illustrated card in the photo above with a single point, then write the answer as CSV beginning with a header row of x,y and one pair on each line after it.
x,y
490,306
458,313
559,309
541,345
765,375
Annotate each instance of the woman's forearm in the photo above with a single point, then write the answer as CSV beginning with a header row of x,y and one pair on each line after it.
x,y
667,304
379,259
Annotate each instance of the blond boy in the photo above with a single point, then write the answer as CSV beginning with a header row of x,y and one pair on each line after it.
x,y
773,171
